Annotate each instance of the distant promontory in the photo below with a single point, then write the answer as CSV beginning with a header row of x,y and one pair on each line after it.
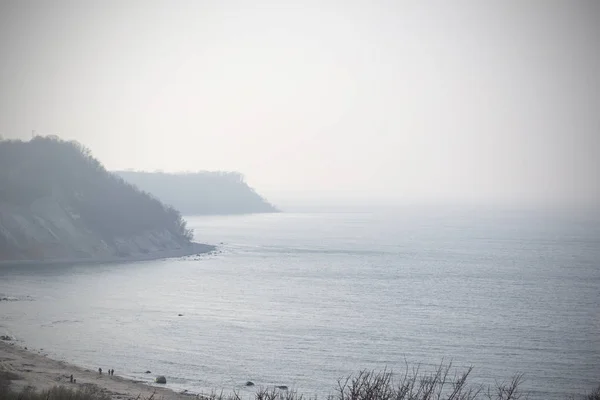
x,y
201,193
58,204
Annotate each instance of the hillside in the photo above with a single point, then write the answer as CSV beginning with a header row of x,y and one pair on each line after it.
x,y
201,193
57,202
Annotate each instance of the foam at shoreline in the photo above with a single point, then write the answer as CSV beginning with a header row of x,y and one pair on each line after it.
x,y
193,249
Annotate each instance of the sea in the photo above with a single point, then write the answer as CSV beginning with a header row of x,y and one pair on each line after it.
x,y
305,299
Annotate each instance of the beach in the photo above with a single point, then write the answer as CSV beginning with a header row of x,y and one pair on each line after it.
x,y
40,372
295,300
36,370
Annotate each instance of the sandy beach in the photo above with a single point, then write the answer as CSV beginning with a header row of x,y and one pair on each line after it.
x,y
41,372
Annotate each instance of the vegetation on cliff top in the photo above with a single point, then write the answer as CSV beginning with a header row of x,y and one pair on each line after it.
x,y
66,170
202,193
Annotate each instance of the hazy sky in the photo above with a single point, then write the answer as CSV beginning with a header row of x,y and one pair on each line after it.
x,y
397,100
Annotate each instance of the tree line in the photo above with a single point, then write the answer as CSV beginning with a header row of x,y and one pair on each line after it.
x,y
67,171
202,193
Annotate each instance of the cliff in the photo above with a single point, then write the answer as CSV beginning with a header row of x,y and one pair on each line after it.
x,y
201,193
57,202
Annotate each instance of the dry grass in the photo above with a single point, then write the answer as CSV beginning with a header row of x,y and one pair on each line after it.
x,y
56,393
593,395
442,383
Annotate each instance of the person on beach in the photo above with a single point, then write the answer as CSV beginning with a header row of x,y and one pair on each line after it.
x,y
71,378
100,371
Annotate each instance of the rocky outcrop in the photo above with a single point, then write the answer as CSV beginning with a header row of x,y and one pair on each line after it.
x,y
160,379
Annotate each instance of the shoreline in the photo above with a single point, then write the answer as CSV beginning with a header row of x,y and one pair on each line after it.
x,y
193,249
42,373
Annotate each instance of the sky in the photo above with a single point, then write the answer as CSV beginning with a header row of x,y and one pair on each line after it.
x,y
475,101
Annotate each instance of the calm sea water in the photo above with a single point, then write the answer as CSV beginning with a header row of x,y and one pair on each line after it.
x,y
304,299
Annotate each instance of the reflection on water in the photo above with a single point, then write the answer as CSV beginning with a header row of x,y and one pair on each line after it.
x,y
302,299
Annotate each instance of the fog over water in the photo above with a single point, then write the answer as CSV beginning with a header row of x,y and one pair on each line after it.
x,y
304,299
400,101
437,164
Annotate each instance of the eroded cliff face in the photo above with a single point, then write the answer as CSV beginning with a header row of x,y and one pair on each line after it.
x,y
49,229
57,202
